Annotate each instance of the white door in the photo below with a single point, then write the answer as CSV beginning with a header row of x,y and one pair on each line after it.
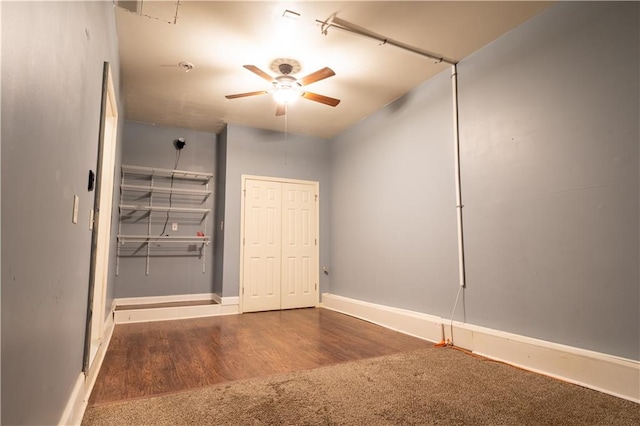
x,y
262,258
280,245
299,263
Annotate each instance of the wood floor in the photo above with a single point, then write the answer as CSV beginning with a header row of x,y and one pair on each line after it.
x,y
155,358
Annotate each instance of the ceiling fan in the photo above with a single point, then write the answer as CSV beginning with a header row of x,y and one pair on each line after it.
x,y
287,88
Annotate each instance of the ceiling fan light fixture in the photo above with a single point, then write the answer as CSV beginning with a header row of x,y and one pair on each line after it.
x,y
286,96
286,90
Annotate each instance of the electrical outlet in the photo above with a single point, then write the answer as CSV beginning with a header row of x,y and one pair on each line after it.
x,y
174,226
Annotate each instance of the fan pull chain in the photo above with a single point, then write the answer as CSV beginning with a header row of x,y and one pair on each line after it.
x,y
286,131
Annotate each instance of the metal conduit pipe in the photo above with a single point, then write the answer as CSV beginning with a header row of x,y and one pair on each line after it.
x,y
456,153
335,22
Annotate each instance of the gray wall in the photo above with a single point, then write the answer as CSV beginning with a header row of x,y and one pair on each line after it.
x,y
266,153
550,173
173,270
549,117
393,233
52,60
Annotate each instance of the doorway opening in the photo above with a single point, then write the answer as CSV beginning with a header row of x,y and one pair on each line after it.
x,y
101,228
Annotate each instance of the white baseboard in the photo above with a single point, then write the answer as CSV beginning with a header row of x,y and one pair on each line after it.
x,y
124,301
606,373
94,368
235,300
128,316
602,372
79,398
75,404
416,324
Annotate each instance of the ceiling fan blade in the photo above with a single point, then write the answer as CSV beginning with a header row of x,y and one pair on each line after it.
x,y
281,109
244,95
325,72
321,98
259,72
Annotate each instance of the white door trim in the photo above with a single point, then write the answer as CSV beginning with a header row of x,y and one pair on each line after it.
x,y
242,217
101,225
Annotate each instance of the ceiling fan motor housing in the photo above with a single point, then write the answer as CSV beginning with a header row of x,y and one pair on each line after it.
x,y
285,68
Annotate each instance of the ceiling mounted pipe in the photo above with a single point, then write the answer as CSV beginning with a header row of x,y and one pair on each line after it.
x,y
341,24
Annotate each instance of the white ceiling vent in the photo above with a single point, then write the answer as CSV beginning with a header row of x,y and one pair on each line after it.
x,y
134,6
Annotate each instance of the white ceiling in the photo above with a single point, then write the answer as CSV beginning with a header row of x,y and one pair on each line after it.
x,y
218,38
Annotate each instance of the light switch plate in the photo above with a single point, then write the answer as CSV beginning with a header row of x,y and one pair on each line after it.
x,y
174,226
76,203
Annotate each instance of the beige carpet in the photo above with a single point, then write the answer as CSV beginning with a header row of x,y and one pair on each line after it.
x,y
425,387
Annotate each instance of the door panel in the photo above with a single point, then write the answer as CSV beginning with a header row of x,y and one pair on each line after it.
x,y
262,242
300,264
280,259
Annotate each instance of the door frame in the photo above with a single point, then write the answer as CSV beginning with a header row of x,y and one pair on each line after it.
x,y
243,187
102,218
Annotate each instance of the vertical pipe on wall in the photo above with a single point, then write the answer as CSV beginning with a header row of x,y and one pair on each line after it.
x,y
456,146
